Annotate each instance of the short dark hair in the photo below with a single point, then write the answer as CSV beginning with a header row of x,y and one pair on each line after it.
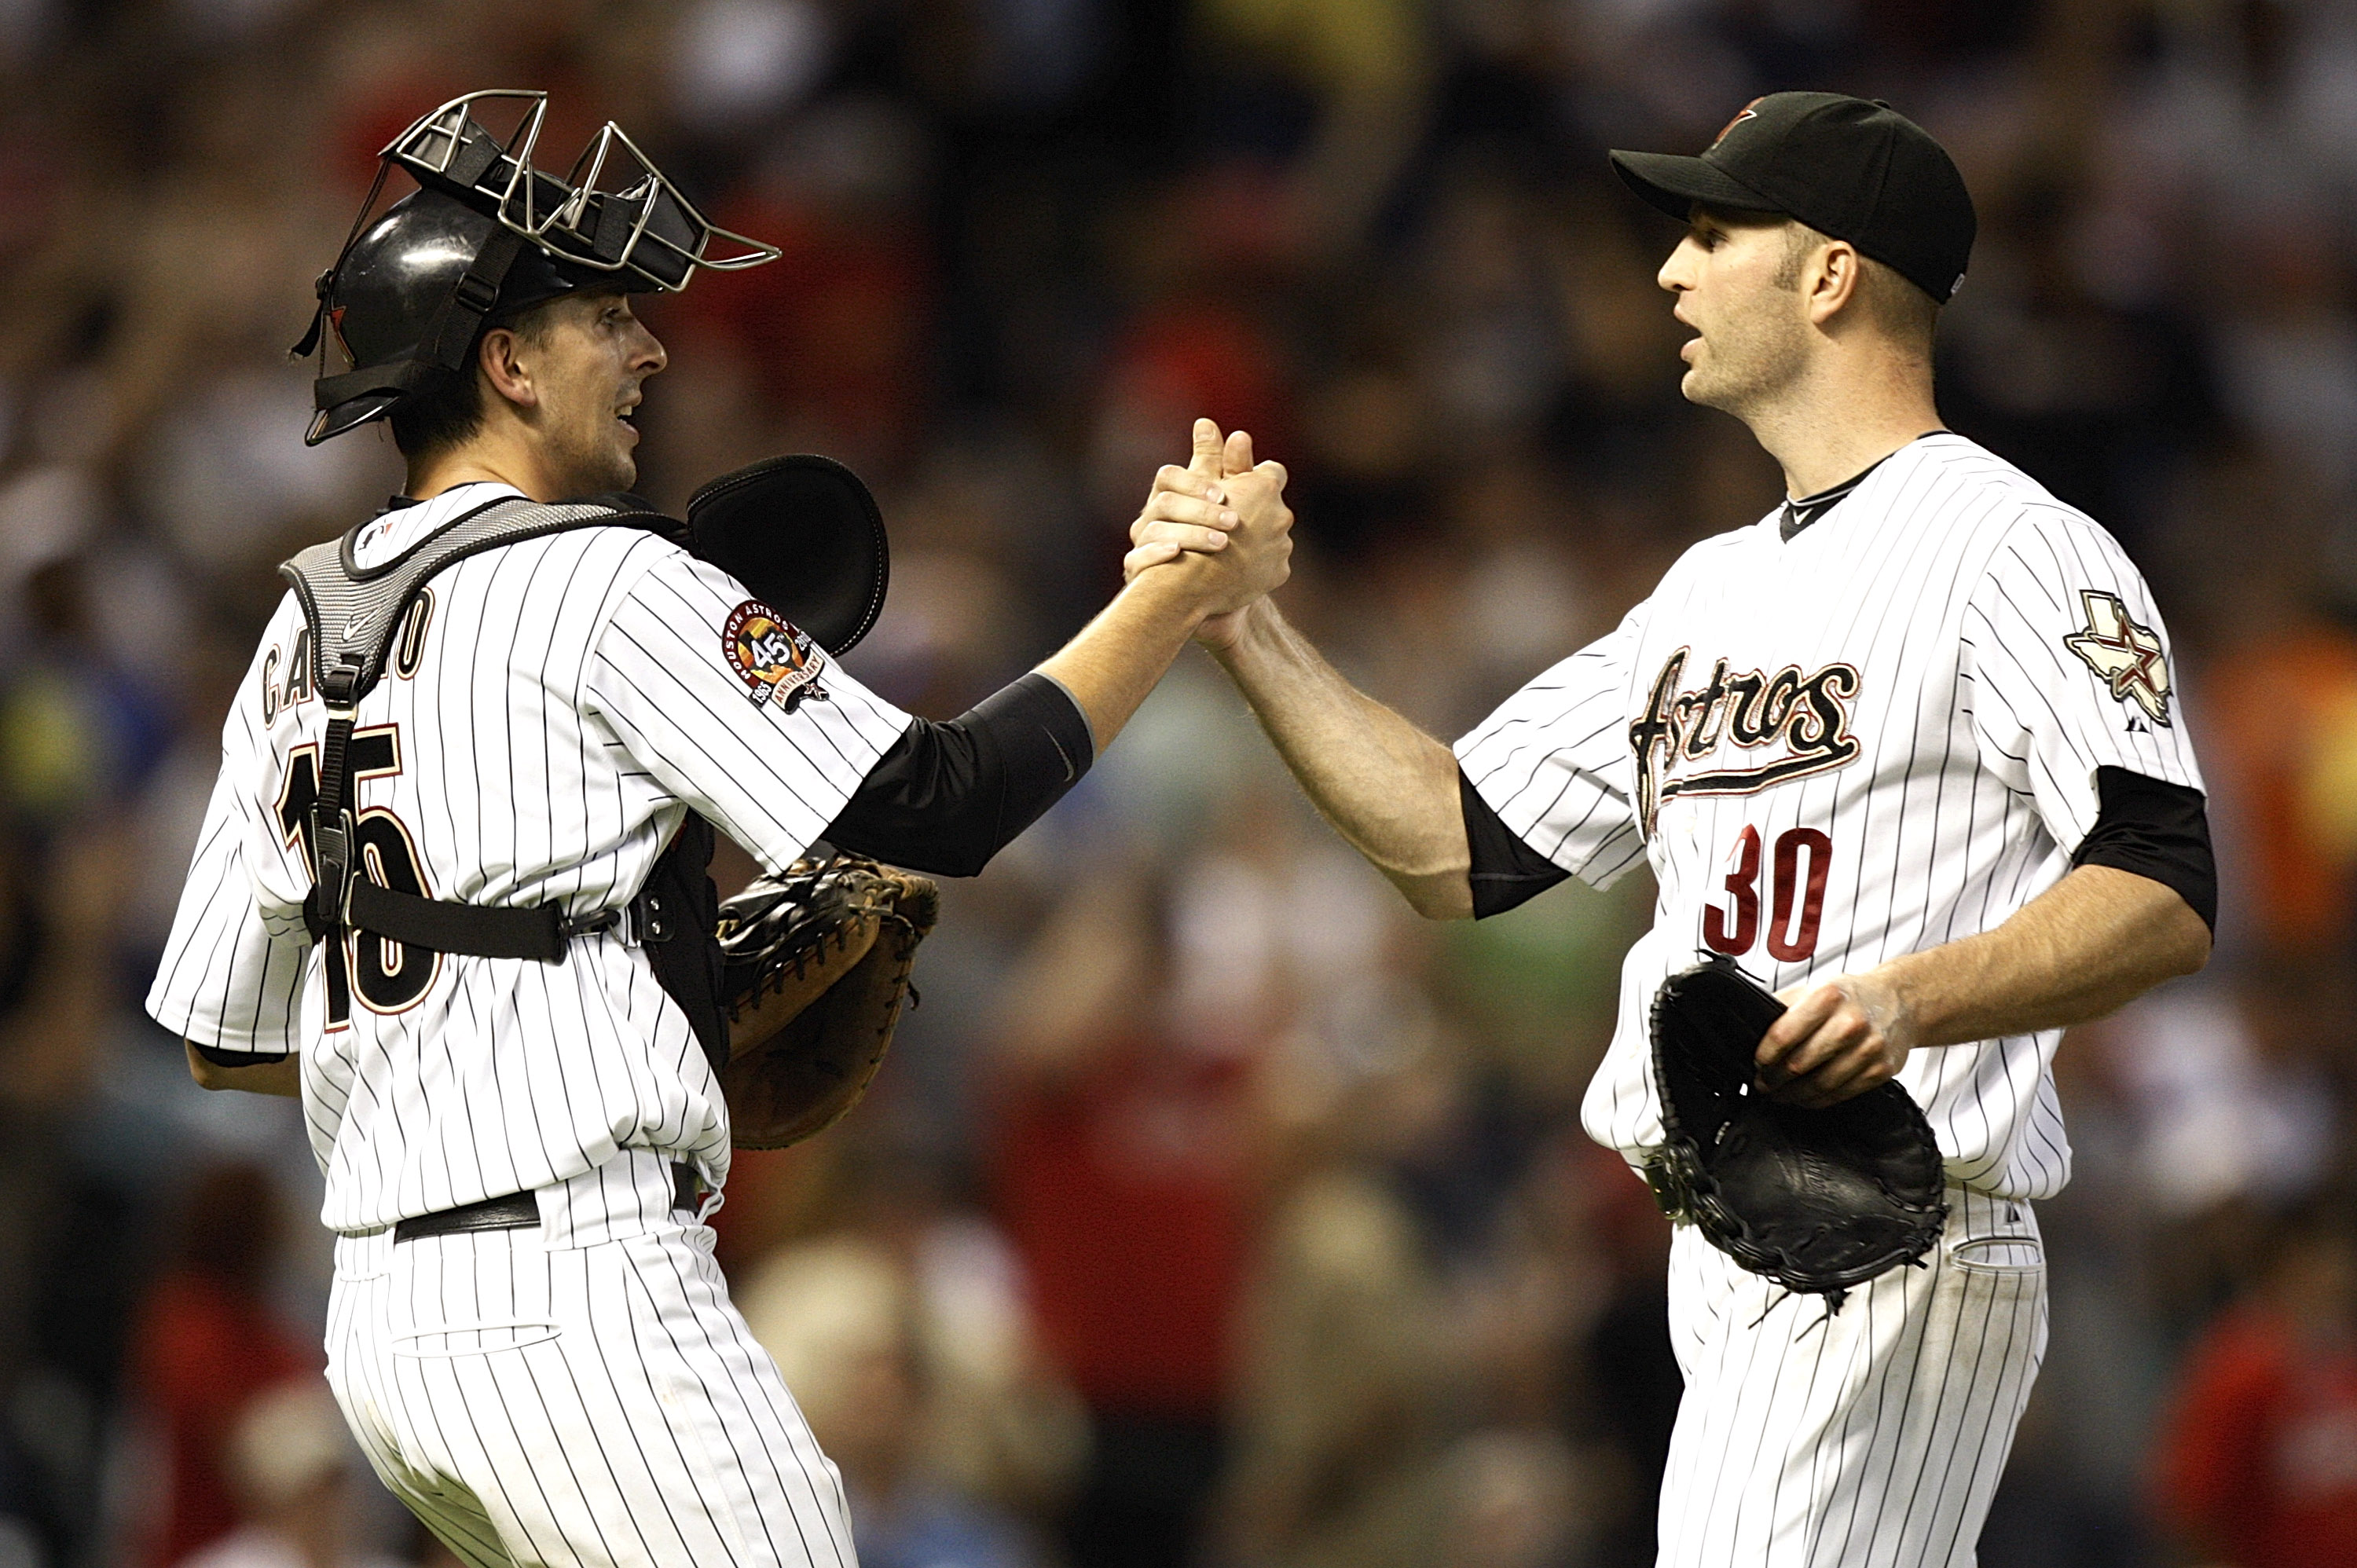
x,y
1906,314
446,406
444,409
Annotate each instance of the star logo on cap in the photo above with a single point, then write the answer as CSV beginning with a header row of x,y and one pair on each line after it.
x,y
1748,112
2125,656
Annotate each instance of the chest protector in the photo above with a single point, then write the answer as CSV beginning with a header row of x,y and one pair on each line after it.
x,y
353,612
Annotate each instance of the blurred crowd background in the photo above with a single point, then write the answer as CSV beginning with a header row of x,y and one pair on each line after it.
x,y
1211,1210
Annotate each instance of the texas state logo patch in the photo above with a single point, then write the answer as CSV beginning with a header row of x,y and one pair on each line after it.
x,y
2125,655
776,662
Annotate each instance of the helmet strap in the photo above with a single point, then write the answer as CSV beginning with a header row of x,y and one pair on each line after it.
x,y
447,337
327,280
452,331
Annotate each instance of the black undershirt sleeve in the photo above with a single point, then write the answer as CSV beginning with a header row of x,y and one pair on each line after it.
x,y
1505,871
947,797
2155,830
2143,826
221,1057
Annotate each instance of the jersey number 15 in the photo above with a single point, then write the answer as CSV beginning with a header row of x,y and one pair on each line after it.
x,y
390,976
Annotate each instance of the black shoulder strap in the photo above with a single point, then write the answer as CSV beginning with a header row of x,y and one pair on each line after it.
x,y
353,612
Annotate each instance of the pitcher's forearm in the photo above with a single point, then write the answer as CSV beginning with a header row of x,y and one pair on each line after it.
x,y
2087,946
1389,788
2090,944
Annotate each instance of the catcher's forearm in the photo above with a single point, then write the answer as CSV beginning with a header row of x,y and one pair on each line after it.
x,y
2087,946
1387,787
1118,657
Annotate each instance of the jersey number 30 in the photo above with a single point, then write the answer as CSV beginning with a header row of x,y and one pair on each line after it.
x,y
390,976
1802,856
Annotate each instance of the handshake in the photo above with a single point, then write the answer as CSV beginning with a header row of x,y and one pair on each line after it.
x,y
1223,522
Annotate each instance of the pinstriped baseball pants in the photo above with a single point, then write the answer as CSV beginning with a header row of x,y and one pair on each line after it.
x,y
594,1405
1870,1438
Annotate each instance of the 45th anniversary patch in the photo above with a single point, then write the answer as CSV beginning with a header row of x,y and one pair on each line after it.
x,y
776,662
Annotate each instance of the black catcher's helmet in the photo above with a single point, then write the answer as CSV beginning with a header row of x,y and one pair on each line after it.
x,y
485,235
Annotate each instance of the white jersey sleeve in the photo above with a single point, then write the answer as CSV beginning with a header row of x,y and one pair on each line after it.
x,y
231,976
2069,671
1554,760
732,710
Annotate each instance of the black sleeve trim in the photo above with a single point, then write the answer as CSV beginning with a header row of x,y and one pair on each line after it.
x,y
947,797
1505,871
221,1057
2157,830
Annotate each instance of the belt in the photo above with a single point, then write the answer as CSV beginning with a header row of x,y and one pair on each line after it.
x,y
518,1211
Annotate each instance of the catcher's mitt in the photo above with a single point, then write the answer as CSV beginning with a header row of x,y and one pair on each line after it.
x,y
814,965
1816,1200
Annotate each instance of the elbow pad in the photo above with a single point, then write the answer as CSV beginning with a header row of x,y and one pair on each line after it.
x,y
947,797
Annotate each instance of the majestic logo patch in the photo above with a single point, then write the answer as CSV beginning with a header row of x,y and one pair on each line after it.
x,y
772,657
1802,721
2124,656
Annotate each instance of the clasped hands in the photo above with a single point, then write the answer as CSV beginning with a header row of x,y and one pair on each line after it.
x,y
1223,518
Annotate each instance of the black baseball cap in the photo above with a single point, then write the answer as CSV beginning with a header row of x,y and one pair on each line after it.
x,y
1856,170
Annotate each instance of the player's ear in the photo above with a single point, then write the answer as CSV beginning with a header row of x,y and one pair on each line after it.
x,y
501,357
1833,280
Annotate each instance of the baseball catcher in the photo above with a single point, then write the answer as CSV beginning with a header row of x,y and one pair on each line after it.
x,y
452,887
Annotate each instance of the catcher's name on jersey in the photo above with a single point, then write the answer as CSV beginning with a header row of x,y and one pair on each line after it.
x,y
1871,738
549,710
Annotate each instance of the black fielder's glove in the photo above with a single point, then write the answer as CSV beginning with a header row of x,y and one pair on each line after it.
x,y
814,966
1816,1200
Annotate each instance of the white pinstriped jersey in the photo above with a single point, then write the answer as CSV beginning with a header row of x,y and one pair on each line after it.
x,y
549,716
1877,737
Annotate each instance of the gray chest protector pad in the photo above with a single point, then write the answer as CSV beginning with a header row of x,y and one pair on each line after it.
x,y
353,612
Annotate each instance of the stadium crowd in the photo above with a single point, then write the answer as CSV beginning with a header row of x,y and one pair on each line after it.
x,y
1211,1210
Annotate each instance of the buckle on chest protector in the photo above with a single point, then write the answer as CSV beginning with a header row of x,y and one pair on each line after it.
x,y
334,849
332,830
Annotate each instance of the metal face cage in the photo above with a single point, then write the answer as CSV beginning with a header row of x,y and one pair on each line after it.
x,y
613,212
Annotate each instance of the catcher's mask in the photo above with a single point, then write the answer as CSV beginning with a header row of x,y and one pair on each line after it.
x,y
486,235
